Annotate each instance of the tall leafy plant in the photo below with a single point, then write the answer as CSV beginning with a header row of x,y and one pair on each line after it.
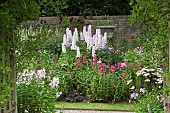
x,y
12,13
150,18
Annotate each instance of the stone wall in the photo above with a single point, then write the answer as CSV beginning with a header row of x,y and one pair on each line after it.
x,y
121,23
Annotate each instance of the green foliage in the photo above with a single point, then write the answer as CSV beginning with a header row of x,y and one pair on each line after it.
x,y
35,97
149,102
35,52
12,13
110,55
109,7
88,80
150,18
52,7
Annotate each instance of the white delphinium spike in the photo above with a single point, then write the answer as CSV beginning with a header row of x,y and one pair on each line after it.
x,y
88,42
73,44
76,34
91,43
99,41
95,41
65,40
78,52
84,31
89,31
104,41
93,51
63,48
69,36
81,36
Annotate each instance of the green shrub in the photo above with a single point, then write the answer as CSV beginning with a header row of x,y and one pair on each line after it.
x,y
149,102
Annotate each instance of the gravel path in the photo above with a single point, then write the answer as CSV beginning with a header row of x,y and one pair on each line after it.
x,y
91,111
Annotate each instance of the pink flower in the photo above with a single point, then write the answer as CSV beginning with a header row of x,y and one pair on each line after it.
x,y
102,67
94,61
128,65
39,51
109,68
113,68
78,64
120,65
84,59
123,77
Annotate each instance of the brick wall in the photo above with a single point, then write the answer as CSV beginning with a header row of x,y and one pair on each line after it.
x,y
121,23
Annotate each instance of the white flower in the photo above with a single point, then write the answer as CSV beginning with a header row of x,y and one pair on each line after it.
x,y
54,82
129,101
78,52
134,95
63,48
93,51
133,87
58,94
159,70
41,73
142,90
129,81
138,73
160,80
147,80
146,74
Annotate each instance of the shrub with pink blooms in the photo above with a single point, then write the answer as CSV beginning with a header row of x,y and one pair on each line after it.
x,y
96,80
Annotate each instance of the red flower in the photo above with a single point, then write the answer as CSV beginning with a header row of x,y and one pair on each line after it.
x,y
109,68
78,64
71,19
84,59
113,68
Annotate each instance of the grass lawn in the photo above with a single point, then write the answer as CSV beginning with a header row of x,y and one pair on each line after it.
x,y
94,106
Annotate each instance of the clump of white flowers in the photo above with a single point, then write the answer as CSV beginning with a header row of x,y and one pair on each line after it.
x,y
151,79
94,42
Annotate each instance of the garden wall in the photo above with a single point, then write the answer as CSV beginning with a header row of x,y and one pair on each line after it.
x,y
121,23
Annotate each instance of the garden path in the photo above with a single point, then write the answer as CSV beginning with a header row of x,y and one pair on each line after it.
x,y
92,111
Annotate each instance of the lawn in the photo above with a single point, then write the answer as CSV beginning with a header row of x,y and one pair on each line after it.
x,y
95,106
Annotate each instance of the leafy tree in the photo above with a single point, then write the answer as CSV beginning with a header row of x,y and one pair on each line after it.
x,y
150,18
12,13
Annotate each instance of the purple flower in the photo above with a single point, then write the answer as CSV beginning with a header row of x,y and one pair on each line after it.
x,y
167,105
117,51
111,49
